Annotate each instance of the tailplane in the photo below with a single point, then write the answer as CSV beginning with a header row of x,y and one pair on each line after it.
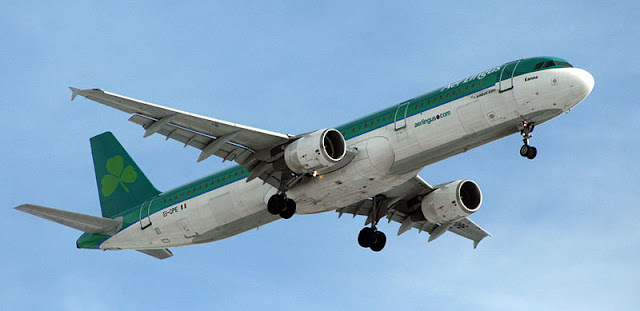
x,y
121,183
82,222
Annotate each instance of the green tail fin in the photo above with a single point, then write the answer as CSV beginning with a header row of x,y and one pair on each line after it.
x,y
121,183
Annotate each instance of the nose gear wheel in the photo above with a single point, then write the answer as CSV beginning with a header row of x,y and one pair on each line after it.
x,y
526,150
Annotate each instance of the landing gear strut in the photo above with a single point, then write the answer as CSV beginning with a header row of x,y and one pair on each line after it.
x,y
279,204
526,150
370,237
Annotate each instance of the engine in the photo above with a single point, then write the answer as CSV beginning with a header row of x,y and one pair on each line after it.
x,y
452,201
314,151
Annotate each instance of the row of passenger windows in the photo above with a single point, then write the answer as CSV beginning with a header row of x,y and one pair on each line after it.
x,y
422,104
205,186
551,63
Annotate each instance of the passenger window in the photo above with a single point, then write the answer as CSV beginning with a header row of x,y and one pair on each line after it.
x,y
549,64
538,66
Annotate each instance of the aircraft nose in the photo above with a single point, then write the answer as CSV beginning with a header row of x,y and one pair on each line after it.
x,y
582,83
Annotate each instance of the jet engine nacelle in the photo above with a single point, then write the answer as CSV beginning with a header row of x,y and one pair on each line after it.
x,y
452,201
314,151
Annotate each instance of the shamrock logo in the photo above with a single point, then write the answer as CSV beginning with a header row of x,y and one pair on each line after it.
x,y
119,175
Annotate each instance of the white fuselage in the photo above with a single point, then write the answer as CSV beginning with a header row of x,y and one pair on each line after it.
x,y
386,157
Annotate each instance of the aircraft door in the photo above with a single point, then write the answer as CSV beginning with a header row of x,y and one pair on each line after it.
x,y
145,218
401,116
506,76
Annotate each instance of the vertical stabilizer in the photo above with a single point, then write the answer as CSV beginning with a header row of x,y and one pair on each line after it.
x,y
121,183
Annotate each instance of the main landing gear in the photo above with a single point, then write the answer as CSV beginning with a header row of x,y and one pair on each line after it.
x,y
279,204
527,151
370,237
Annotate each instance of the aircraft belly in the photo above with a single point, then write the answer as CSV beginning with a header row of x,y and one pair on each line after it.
x,y
215,215
367,175
238,209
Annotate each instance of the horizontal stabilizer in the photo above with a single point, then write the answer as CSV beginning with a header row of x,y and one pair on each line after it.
x,y
162,253
74,92
82,222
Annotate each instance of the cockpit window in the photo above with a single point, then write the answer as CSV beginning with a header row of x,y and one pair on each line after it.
x,y
564,64
538,66
549,64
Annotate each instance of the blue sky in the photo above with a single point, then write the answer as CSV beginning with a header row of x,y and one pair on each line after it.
x,y
565,226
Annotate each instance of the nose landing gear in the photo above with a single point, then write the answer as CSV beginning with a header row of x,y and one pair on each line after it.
x,y
526,150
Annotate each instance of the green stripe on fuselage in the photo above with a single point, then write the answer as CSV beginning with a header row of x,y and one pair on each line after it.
x,y
441,96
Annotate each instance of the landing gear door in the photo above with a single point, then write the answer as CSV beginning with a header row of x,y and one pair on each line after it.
x,y
401,116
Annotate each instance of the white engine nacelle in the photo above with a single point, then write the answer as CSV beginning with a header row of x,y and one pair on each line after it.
x,y
314,151
452,201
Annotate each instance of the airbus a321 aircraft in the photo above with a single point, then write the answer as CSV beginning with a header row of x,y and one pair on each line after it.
x,y
365,167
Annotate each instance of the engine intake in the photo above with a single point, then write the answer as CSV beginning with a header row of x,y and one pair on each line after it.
x,y
452,201
314,151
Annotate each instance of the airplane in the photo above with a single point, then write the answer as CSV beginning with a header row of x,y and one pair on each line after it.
x,y
366,167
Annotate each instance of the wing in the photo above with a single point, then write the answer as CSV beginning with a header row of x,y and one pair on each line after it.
x,y
248,146
402,205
